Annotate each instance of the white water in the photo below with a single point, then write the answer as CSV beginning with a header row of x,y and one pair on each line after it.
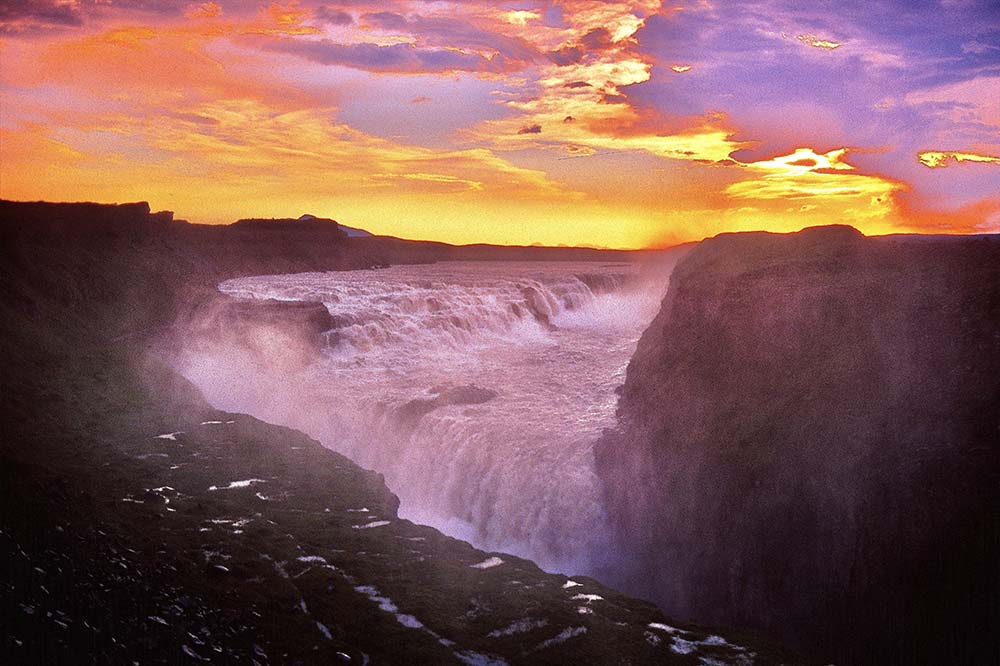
x,y
477,388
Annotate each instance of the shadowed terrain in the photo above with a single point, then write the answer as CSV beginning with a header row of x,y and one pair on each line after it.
x,y
807,445
138,524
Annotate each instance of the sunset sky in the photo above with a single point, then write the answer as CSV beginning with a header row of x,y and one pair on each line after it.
x,y
575,122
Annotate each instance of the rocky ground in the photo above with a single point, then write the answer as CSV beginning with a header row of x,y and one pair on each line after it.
x,y
138,525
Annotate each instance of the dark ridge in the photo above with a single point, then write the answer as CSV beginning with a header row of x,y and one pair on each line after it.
x,y
87,219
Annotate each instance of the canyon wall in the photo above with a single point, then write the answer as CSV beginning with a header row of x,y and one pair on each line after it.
x,y
807,444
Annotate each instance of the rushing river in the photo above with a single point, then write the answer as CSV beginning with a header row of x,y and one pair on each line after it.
x,y
477,388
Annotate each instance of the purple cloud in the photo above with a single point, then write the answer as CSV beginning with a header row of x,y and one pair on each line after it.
x,y
401,58
333,16
386,20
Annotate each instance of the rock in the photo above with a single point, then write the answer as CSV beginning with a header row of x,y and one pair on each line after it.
x,y
807,445
412,411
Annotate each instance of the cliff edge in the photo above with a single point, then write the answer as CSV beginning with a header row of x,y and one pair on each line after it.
x,y
807,444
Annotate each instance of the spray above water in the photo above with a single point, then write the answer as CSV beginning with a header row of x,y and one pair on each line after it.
x,y
477,388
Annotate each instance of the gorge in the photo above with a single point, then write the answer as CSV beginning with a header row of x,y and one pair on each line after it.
x,y
802,446
477,388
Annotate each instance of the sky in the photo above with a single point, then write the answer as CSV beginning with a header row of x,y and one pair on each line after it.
x,y
575,122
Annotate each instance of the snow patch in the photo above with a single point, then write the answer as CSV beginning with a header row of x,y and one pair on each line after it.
x,y
663,627
562,637
367,526
385,604
488,563
587,597
571,583
681,646
324,630
709,661
191,653
519,627
172,436
312,558
473,658
238,484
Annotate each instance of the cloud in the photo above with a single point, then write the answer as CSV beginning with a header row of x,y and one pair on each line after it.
x,y
242,91
978,48
385,20
332,16
437,182
521,17
26,16
972,103
397,58
977,217
598,39
807,174
940,159
817,42
568,55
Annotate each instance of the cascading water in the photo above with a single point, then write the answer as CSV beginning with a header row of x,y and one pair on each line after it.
x,y
477,388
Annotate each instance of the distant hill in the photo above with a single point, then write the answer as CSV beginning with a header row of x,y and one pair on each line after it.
x,y
352,232
305,223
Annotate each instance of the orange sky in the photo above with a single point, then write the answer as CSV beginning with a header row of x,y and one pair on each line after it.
x,y
576,122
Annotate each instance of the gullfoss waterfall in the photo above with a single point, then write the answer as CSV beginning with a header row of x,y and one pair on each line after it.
x,y
476,388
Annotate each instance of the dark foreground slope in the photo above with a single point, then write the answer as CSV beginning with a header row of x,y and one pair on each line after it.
x,y
808,444
138,525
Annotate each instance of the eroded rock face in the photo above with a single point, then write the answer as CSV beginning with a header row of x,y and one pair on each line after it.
x,y
807,444
282,334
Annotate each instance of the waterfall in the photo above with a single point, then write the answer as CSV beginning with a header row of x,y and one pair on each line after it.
x,y
477,388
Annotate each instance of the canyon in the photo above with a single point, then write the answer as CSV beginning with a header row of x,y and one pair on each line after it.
x,y
790,435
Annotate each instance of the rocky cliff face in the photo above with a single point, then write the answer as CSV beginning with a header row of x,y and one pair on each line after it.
x,y
808,444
